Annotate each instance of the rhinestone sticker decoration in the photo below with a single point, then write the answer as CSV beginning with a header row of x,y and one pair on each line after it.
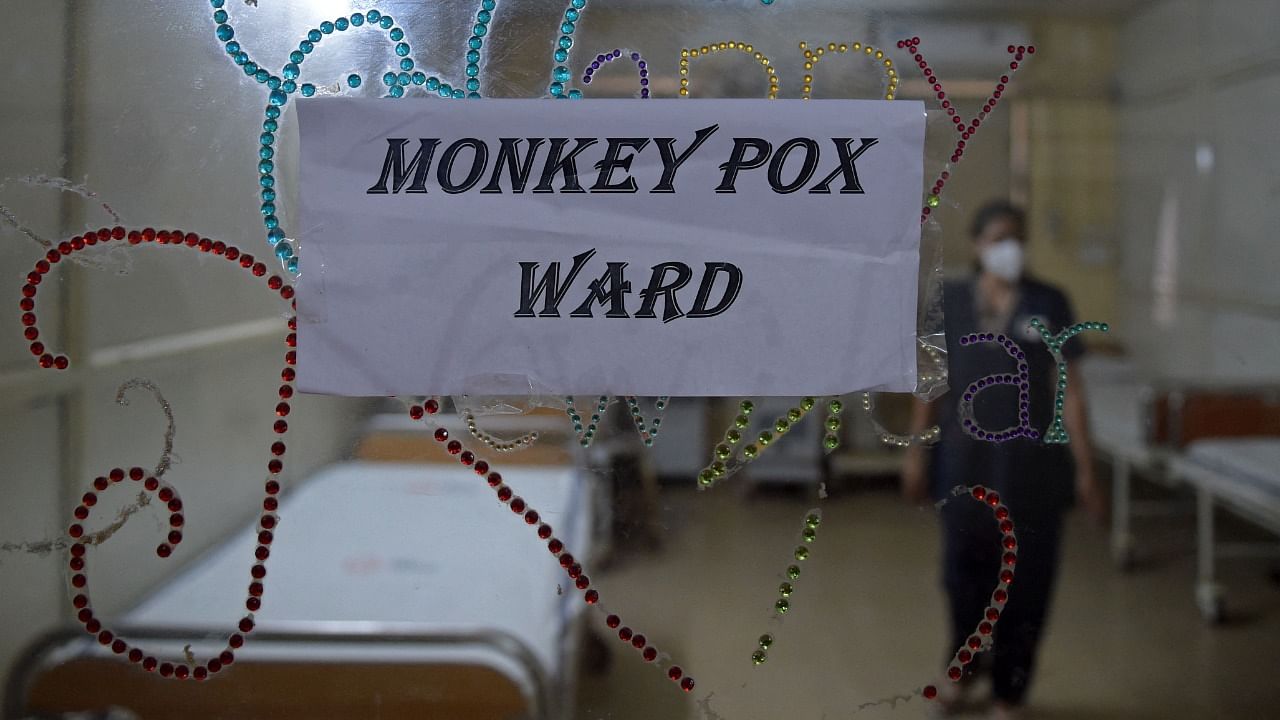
x,y
642,68
966,130
493,442
876,55
981,639
506,495
808,535
281,86
831,440
721,467
153,486
1021,380
1057,433
687,54
728,457
648,432
560,73
588,433
926,378
927,437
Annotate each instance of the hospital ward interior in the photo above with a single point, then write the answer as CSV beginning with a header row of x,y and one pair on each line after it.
x,y
1006,445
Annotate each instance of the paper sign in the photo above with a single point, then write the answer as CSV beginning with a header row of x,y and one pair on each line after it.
x,y
608,247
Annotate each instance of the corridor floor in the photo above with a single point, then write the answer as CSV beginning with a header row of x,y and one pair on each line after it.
x,y
865,632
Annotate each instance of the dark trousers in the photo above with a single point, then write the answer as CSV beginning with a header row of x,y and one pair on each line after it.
x,y
971,563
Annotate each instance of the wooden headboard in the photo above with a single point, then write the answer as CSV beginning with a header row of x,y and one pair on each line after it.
x,y
296,690
413,443
1181,416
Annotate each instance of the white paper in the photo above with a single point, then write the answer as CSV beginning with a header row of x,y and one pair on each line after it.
x,y
418,292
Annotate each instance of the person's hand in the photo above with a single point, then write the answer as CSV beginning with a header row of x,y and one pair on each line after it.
x,y
914,487
1089,494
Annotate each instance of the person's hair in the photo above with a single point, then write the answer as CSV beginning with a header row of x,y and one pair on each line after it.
x,y
995,210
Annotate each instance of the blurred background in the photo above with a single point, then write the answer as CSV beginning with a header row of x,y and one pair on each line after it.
x,y
1136,139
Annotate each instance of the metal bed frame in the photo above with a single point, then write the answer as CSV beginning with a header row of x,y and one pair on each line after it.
x,y
40,655
1211,491
1160,461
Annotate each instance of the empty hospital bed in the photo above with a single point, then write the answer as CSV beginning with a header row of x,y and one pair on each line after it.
x,y
394,436
394,590
1121,403
1222,442
1231,457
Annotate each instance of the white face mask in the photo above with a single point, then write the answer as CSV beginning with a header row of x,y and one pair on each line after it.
x,y
1003,259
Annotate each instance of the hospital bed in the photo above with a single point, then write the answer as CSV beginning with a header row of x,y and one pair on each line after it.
x,y
1231,457
394,590
1121,429
395,436
1222,442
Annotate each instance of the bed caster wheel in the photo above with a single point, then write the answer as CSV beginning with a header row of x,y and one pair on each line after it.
x,y
1216,613
1122,556
1213,606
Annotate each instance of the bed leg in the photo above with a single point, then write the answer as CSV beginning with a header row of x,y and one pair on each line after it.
x,y
1121,536
1209,595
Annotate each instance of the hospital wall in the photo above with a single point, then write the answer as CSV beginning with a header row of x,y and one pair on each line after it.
x,y
1064,167
1199,89
209,335
1049,147
33,504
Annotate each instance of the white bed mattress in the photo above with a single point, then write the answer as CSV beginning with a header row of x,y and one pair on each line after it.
x,y
1243,472
413,548
1249,462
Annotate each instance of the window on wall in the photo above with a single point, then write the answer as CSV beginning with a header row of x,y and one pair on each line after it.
x,y
986,422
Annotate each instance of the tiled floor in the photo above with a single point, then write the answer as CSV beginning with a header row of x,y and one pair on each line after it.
x,y
866,625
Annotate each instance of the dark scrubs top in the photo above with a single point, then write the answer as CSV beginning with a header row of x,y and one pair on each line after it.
x,y
1030,475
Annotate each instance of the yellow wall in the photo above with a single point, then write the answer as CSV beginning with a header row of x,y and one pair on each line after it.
x,y
1071,182
1072,201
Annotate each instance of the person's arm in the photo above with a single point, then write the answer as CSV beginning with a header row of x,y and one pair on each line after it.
x,y
914,483
1075,416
